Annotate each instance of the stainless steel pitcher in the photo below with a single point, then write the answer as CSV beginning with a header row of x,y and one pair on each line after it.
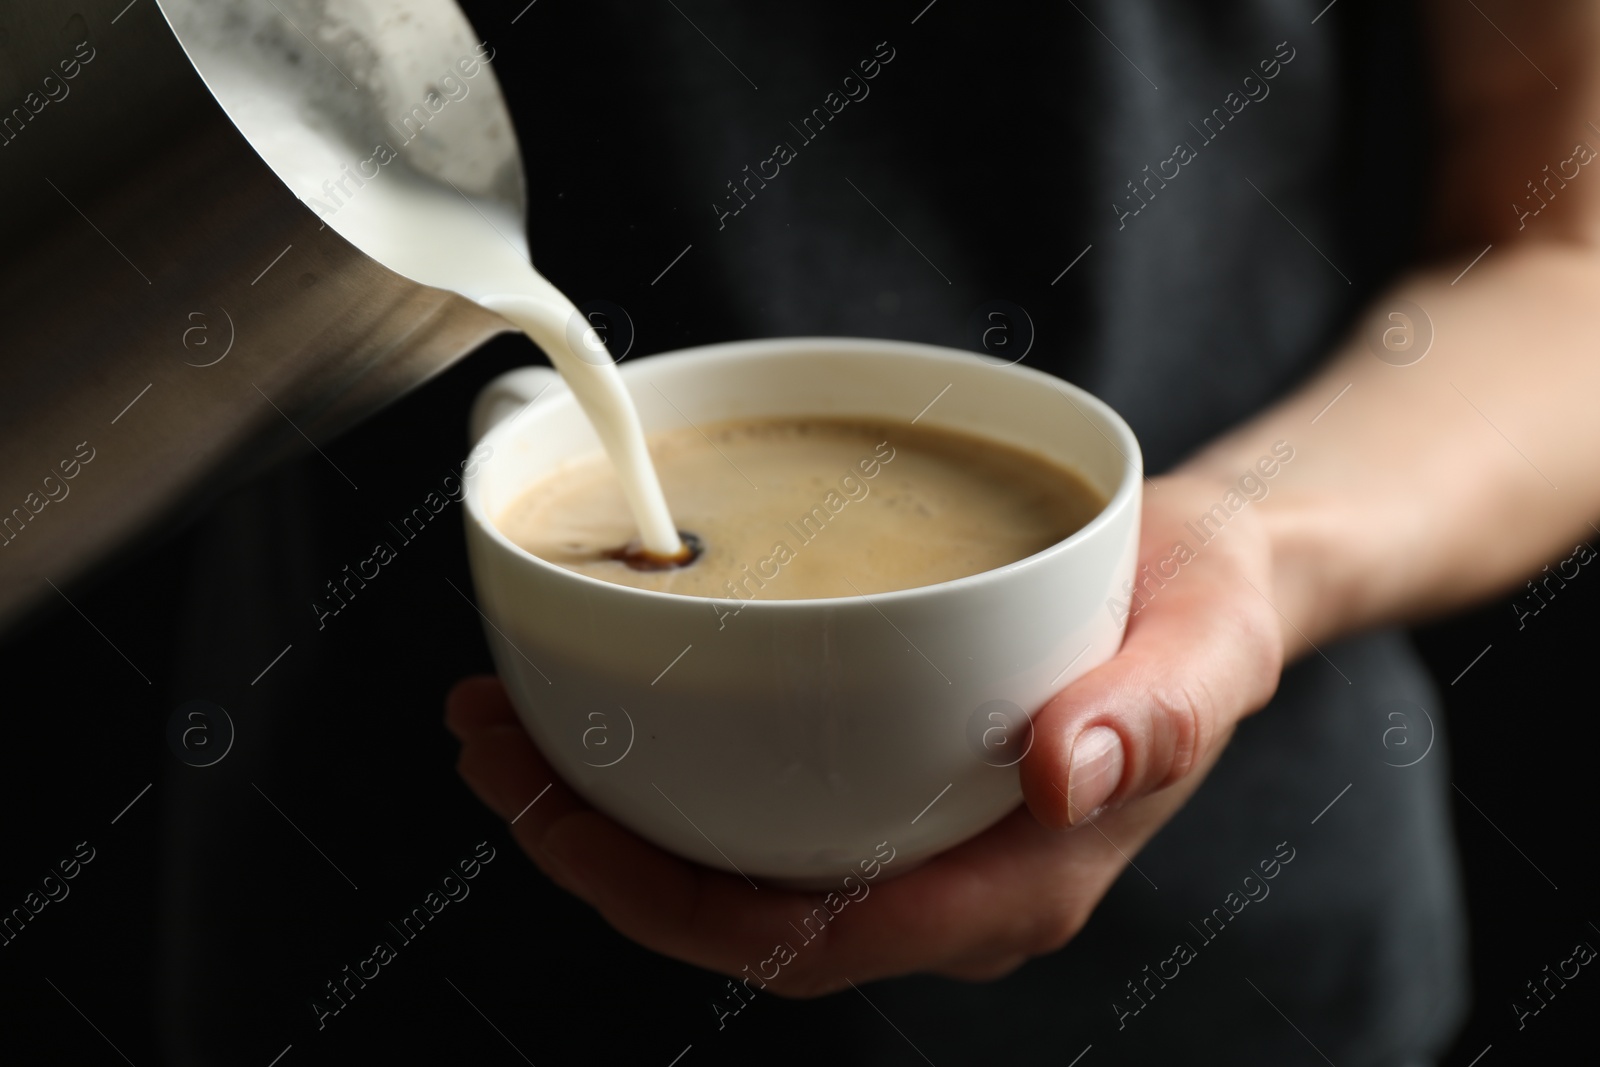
x,y
172,316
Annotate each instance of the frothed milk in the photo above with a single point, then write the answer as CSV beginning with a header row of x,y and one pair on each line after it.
x,y
797,509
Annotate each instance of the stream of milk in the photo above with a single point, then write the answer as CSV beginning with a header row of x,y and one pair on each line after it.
x,y
453,244
307,122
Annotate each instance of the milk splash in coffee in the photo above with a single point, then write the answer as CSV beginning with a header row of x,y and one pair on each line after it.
x,y
405,145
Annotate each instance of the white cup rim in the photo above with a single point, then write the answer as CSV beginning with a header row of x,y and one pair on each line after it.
x,y
1092,406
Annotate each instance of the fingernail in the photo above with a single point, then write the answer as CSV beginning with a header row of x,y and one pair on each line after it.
x,y
1095,774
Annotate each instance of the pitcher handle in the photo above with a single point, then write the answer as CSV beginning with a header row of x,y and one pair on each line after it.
x,y
509,395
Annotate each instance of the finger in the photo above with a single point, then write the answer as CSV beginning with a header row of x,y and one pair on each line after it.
x,y
984,969
506,770
476,702
786,942
495,759
975,902
980,909
710,918
1202,654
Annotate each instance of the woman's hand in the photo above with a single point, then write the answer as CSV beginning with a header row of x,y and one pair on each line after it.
x,y
1203,651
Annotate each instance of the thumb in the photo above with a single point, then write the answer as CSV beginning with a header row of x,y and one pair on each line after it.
x,y
1195,660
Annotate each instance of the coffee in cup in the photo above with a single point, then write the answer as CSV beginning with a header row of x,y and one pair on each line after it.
x,y
807,508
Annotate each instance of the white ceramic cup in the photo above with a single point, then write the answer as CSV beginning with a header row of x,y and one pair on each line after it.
x,y
787,741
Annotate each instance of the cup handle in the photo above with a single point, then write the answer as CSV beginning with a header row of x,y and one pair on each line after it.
x,y
508,395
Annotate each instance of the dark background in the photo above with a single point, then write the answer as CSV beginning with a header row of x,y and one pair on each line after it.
x,y
373,786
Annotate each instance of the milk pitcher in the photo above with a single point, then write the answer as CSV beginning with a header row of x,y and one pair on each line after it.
x,y
183,304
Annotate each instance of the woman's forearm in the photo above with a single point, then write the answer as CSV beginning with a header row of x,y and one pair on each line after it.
x,y
1426,487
